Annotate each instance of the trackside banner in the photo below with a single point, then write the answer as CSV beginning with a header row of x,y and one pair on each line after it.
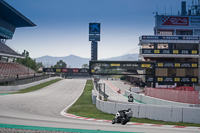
x,y
66,70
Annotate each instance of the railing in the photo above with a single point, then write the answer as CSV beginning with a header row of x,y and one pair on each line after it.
x,y
100,88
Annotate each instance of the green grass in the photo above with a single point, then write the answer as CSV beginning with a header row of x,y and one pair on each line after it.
x,y
37,87
117,76
84,107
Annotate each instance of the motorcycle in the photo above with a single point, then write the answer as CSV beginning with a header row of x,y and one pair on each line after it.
x,y
122,116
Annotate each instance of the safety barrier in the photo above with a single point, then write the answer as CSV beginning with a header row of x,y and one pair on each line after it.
x,y
163,113
156,101
19,87
182,96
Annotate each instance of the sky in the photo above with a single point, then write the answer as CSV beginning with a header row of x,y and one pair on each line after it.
x,y
63,25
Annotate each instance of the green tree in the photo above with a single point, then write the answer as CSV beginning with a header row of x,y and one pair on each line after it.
x,y
85,66
27,61
40,65
60,64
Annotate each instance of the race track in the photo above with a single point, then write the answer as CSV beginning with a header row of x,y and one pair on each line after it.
x,y
43,107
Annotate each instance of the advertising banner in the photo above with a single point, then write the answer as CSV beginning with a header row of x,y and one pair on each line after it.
x,y
94,28
66,70
169,51
178,21
121,67
176,64
186,21
153,37
94,37
188,80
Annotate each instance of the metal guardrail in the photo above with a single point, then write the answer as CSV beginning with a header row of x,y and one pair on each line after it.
x,y
100,88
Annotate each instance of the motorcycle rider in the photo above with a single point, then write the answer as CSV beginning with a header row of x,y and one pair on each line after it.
x,y
129,113
130,98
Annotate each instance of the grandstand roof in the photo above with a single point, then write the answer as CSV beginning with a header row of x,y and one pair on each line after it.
x,y
7,51
12,16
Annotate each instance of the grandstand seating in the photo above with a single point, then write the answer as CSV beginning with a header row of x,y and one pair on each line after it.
x,y
13,69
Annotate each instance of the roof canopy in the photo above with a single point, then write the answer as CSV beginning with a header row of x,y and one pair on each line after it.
x,y
12,16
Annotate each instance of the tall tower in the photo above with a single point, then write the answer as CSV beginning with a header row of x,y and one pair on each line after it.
x,y
94,50
94,37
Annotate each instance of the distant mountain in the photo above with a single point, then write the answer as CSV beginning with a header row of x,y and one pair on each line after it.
x,y
71,60
77,62
127,57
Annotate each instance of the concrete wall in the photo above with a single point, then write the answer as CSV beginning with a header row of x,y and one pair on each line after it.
x,y
156,101
19,87
163,113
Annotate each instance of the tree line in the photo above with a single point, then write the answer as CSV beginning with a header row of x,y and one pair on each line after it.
x,y
31,63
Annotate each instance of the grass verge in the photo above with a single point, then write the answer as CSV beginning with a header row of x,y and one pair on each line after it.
x,y
84,107
37,87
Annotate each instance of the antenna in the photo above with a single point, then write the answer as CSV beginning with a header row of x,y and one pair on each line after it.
x,y
156,7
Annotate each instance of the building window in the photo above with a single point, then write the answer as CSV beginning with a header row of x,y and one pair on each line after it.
x,y
185,46
178,32
162,46
176,72
165,33
148,46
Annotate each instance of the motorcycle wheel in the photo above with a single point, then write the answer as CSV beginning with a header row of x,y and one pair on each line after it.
x,y
113,121
123,121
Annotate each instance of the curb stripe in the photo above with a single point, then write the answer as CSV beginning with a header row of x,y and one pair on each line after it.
x,y
180,126
130,123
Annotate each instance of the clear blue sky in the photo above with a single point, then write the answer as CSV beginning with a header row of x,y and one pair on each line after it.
x,y
62,25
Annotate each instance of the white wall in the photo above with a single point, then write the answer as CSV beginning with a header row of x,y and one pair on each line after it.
x,y
164,113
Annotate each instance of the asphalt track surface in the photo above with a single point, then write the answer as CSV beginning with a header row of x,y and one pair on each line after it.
x,y
42,108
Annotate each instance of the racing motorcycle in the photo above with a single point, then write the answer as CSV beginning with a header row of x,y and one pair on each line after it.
x,y
122,116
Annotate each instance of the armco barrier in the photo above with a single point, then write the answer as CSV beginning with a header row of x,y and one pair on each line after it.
x,y
191,97
164,113
156,101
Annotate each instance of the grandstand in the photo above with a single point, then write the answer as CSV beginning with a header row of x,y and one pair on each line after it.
x,y
10,70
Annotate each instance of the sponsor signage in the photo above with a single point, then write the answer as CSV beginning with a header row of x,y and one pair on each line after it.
x,y
174,21
169,51
170,37
195,21
66,70
176,64
121,67
178,21
94,37
149,79
94,28
188,80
